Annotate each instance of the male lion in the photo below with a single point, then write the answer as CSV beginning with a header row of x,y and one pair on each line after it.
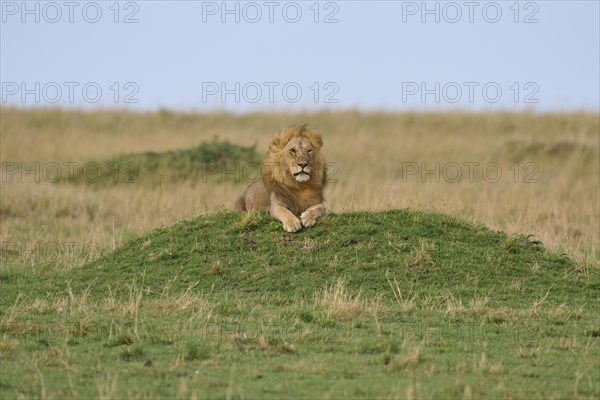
x,y
293,178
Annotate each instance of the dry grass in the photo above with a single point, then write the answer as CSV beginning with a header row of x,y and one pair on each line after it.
x,y
405,305
337,303
422,257
80,307
248,220
408,359
372,154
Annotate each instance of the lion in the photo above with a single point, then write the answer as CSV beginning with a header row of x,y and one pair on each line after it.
x,y
293,178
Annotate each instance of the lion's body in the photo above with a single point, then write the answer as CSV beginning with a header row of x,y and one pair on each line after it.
x,y
292,182
255,197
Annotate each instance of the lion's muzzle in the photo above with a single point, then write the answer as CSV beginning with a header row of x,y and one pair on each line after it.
x,y
304,173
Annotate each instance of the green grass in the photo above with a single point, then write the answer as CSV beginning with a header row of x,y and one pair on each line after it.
x,y
215,161
369,305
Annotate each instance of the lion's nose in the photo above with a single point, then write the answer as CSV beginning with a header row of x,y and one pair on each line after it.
x,y
302,165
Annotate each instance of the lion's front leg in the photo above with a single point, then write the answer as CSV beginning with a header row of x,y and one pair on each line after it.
x,y
310,215
290,222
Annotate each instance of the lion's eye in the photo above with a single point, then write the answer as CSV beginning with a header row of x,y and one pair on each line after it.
x,y
310,152
292,151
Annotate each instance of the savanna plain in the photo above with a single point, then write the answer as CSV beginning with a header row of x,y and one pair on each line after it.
x,y
459,259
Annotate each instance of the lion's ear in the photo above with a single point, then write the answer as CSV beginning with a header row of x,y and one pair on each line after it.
x,y
316,140
275,144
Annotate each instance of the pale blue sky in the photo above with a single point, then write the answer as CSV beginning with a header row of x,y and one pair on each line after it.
x,y
378,55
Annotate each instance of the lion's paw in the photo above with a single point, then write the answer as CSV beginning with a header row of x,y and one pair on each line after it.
x,y
309,218
292,225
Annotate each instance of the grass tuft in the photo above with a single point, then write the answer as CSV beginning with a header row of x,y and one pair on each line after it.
x,y
249,221
338,304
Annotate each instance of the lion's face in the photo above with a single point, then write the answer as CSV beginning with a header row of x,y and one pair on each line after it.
x,y
300,157
295,156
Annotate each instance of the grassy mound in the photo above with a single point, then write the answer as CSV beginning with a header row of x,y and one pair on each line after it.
x,y
361,305
216,161
521,150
